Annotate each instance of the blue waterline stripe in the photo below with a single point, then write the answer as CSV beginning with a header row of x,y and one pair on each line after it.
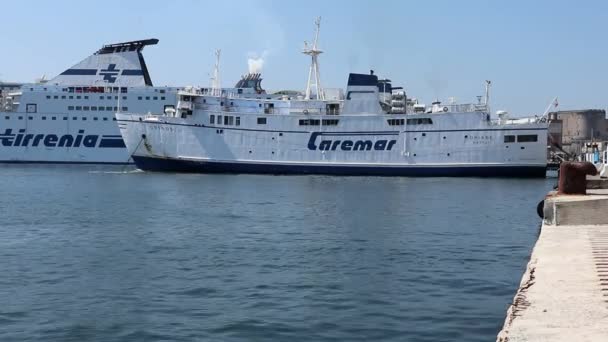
x,y
62,162
180,165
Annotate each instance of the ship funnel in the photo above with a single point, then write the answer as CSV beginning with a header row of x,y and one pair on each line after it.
x,y
120,64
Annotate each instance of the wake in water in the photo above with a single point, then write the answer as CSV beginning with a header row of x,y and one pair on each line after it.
x,y
118,172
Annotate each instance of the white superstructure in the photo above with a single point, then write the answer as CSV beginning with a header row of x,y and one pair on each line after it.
x,y
70,118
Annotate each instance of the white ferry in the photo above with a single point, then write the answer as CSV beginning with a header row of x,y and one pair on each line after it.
x,y
70,118
372,129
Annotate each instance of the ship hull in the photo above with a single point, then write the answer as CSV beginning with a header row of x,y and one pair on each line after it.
x,y
194,166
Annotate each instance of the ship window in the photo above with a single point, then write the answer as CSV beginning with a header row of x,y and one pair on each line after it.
x,y
124,97
113,119
155,98
238,121
7,117
84,118
101,97
162,98
21,118
31,108
30,118
78,107
420,121
54,118
115,98
48,97
86,97
125,109
139,97
330,122
94,108
123,90
78,97
71,97
63,97
44,118
261,121
109,109
55,97
509,138
309,122
95,119
147,97
226,121
105,119
116,109
162,91
65,118
85,108
70,107
527,138
396,122
74,118
219,119
212,119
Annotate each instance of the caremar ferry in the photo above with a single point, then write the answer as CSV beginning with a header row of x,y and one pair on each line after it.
x,y
371,129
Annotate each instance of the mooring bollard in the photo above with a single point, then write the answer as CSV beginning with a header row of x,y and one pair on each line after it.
x,y
573,177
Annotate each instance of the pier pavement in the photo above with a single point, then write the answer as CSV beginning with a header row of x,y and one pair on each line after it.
x,y
563,294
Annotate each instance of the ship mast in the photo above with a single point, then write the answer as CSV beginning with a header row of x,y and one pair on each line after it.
x,y
216,85
314,52
487,97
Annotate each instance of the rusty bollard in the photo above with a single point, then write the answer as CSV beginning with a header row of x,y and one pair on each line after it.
x,y
573,177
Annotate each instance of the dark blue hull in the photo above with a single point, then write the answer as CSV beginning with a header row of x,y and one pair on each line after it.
x,y
174,165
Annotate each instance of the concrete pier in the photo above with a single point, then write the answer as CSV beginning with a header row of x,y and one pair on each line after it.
x,y
563,295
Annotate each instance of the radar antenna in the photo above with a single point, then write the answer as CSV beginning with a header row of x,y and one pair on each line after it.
x,y
314,52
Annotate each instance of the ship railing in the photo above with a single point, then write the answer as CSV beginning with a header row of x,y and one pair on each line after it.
x,y
515,121
464,108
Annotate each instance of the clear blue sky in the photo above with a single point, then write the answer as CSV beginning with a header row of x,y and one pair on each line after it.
x,y
531,50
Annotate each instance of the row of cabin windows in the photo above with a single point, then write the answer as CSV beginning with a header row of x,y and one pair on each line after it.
x,y
122,90
55,118
521,138
86,97
100,108
155,98
317,122
229,120
420,121
401,122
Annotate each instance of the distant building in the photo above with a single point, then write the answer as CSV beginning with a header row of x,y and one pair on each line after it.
x,y
571,129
